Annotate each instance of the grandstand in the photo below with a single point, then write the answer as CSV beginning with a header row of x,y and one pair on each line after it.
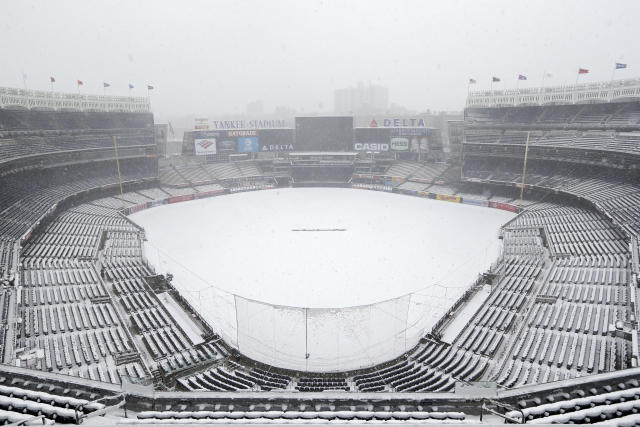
x,y
87,320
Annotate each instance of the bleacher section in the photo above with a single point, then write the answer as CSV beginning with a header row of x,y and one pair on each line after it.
x,y
602,114
193,171
625,142
25,144
25,197
582,319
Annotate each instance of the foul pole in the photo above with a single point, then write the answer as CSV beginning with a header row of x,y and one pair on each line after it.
x,y
115,147
524,169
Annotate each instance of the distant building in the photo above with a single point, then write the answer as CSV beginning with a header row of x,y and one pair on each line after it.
x,y
456,137
361,99
255,107
161,135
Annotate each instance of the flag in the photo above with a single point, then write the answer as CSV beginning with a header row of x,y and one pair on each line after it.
x,y
149,87
130,86
105,84
495,79
521,77
472,81
548,75
583,71
171,130
80,83
52,79
619,65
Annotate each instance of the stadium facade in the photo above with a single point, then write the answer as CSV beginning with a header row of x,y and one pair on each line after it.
x,y
88,322
401,138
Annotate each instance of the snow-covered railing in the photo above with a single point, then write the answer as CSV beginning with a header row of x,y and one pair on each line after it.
x,y
569,94
45,100
64,401
583,410
296,416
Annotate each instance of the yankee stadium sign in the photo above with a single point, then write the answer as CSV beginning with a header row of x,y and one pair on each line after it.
x,y
248,124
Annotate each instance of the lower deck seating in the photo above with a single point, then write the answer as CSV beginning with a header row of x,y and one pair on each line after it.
x,y
321,384
616,406
22,400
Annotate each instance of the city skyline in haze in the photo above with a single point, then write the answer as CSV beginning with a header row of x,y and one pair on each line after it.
x,y
218,57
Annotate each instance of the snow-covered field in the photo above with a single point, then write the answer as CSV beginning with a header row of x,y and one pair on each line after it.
x,y
241,257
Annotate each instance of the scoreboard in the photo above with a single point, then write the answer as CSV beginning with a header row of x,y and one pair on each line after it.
x,y
324,134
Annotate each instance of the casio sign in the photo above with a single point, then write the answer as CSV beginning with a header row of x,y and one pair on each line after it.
x,y
372,146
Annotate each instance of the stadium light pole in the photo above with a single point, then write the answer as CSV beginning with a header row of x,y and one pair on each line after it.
x,y
115,147
524,169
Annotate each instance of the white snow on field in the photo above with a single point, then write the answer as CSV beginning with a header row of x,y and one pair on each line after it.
x,y
238,260
244,243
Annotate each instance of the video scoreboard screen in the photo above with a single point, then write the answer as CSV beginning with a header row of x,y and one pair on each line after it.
x,y
324,134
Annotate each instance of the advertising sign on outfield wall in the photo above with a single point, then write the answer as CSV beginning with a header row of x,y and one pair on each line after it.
x,y
205,142
205,146
399,144
201,124
448,198
137,208
208,194
395,122
419,144
475,202
178,199
277,147
227,145
503,206
371,146
248,144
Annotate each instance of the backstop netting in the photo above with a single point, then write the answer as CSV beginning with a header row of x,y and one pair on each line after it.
x,y
315,339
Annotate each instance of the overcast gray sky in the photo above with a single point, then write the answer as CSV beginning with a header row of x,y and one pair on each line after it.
x,y
216,56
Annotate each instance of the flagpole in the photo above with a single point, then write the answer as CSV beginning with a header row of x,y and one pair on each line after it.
x,y
491,90
613,72
543,76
